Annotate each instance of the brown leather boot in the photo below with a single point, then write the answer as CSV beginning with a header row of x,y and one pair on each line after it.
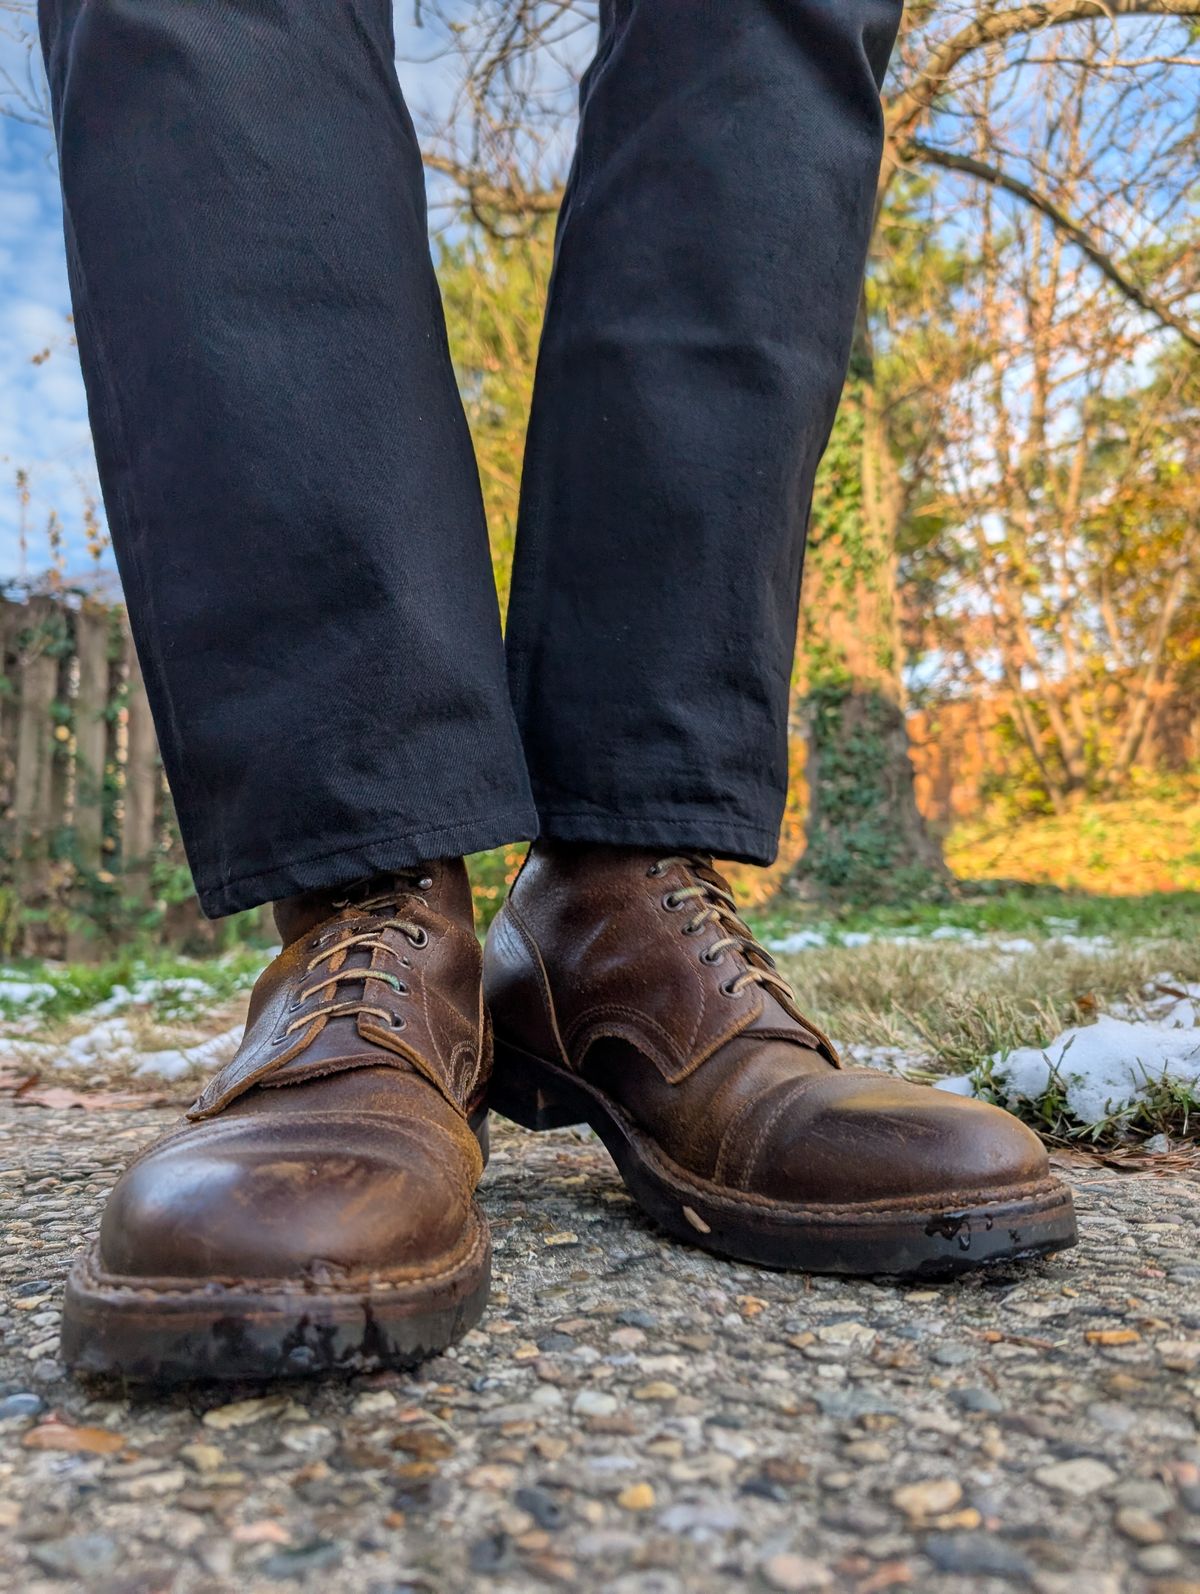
x,y
627,993
315,1211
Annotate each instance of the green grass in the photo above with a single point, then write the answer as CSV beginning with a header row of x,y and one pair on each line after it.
x,y
78,987
1168,1107
1008,910
950,1008
954,1007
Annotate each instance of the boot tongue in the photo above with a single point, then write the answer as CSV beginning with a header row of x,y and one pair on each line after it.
x,y
298,916
775,1020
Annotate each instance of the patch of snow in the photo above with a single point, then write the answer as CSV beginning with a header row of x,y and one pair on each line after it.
x,y
1084,943
210,1054
1168,1001
100,1042
887,1059
1014,946
152,990
1181,1015
182,985
119,997
1103,1067
112,1044
1060,936
798,941
106,1039
1178,1005
958,1085
15,989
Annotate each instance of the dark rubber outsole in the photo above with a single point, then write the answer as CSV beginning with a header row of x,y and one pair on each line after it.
x,y
175,1331
169,1333
867,1239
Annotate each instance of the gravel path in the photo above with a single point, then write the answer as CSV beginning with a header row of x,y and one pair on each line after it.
x,y
631,1415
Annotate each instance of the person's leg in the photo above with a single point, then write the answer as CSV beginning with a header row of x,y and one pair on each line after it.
x,y
708,272
286,467
297,518
708,269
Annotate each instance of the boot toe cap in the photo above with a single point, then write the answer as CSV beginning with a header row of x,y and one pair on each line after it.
x,y
863,1137
286,1198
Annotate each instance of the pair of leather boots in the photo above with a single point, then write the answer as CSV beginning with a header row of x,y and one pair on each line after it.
x,y
316,1209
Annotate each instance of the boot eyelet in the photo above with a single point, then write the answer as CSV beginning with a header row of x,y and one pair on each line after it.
x,y
727,988
406,963
419,940
653,872
671,902
692,929
707,957
398,1021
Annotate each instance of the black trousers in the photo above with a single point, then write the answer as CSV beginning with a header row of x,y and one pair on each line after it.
x,y
287,471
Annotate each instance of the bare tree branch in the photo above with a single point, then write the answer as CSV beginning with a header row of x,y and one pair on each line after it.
x,y
991,27
483,194
1101,258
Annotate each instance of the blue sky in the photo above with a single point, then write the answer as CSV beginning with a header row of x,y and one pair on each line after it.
x,y
43,414
43,424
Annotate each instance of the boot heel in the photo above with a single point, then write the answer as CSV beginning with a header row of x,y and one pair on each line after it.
x,y
521,1092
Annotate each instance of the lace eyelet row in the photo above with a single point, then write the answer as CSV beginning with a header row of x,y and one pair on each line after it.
x,y
673,902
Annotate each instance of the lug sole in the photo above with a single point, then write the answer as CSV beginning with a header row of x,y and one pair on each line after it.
x,y
175,1331
867,1239
169,1332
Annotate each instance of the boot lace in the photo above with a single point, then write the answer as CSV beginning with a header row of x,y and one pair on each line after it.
x,y
342,939
715,906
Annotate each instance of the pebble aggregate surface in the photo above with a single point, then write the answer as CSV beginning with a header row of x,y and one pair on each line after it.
x,y
631,1415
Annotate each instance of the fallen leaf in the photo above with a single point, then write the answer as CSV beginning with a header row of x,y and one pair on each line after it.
x,y
1112,1336
994,1336
892,1574
240,1413
637,1497
60,1096
55,1435
424,1444
266,1532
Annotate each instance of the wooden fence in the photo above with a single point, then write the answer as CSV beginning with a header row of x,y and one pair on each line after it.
x,y
85,820
88,843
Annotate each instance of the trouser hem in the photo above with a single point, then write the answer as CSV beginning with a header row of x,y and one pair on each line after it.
x,y
356,859
673,832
